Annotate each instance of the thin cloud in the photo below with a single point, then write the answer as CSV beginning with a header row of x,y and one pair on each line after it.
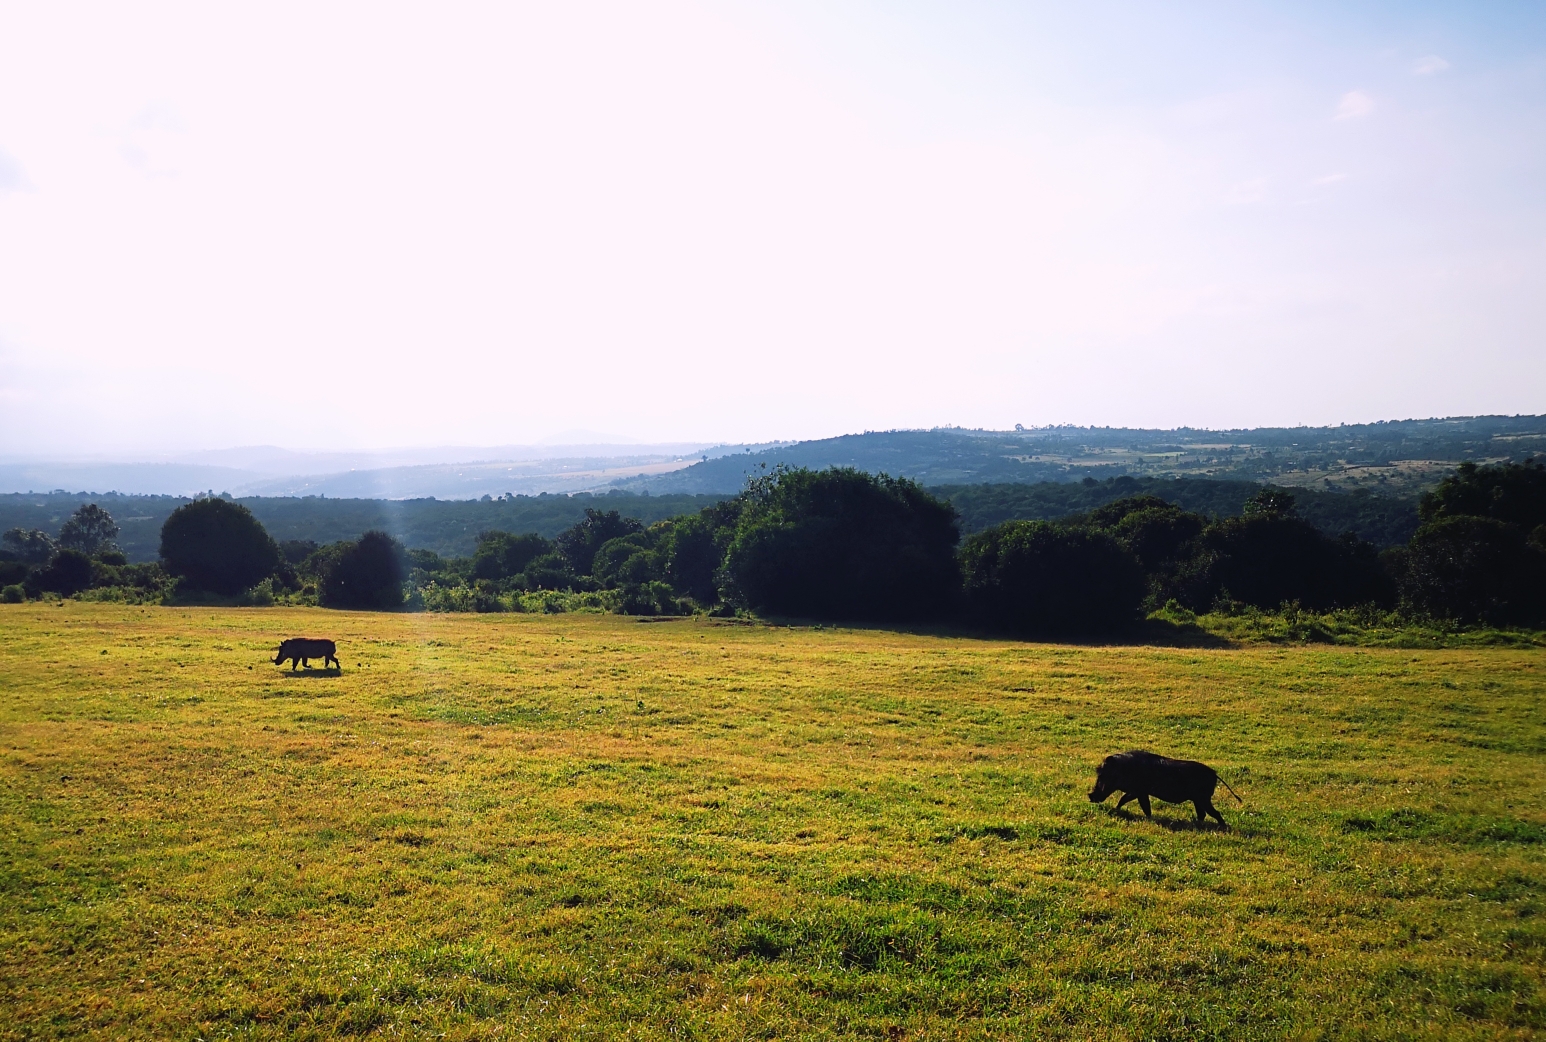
x,y
1429,65
1355,104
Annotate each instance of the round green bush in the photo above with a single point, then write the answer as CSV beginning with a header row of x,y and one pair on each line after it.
x,y
217,546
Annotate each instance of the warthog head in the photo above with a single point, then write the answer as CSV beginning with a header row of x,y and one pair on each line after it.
x,y
281,656
1103,788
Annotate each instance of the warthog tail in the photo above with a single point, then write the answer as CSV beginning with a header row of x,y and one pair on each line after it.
x,y
1232,792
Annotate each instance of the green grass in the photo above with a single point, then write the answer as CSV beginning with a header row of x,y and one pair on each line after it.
x,y
587,826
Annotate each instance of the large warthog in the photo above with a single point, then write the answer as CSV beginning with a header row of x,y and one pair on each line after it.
x,y
1137,775
301,650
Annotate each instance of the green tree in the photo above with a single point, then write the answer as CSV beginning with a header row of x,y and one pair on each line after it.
x,y
91,530
1514,493
501,555
215,545
550,572
31,546
1474,569
367,574
1270,557
1035,577
628,559
1270,502
843,544
693,549
579,544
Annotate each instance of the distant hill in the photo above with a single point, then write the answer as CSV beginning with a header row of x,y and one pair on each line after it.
x,y
1399,457
446,472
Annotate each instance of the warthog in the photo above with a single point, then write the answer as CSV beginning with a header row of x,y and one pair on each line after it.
x,y
301,650
1138,775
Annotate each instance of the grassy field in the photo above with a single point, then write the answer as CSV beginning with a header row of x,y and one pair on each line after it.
x,y
586,827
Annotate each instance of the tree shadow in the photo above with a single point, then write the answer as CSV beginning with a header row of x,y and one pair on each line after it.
x,y
1159,633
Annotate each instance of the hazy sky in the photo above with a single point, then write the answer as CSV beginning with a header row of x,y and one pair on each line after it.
x,y
345,227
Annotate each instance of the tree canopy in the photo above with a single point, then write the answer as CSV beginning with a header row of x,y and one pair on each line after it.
x,y
215,545
1035,577
91,530
366,574
842,544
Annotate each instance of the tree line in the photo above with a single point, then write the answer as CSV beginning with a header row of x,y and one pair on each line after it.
x,y
844,545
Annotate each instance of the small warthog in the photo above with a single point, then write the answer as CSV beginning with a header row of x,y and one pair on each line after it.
x,y
1138,775
301,650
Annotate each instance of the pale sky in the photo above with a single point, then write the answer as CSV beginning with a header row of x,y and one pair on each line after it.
x,y
341,227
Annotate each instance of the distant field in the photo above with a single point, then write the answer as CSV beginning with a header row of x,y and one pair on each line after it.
x,y
581,827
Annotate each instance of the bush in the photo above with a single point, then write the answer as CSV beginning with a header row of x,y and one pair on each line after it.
x,y
578,546
650,598
1474,569
629,560
1161,537
13,572
501,555
693,550
842,544
1270,558
1033,577
260,596
67,574
216,545
12,594
549,572
367,574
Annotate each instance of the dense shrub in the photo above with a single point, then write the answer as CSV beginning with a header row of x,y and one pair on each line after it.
x,y
692,551
1036,577
502,555
1166,541
67,574
367,574
651,598
216,545
1474,569
549,572
13,593
578,546
842,544
1268,559
630,560
12,572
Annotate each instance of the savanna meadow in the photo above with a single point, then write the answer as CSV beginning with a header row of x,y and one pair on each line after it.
x,y
589,825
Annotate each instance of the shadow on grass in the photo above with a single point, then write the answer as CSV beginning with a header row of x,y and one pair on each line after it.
x,y
1159,633
311,674
1188,823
